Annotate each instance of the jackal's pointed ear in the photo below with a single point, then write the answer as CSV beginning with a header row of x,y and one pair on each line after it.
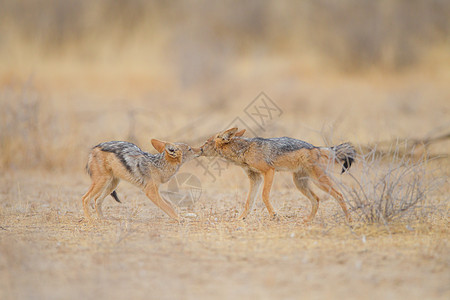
x,y
240,133
158,145
171,150
227,135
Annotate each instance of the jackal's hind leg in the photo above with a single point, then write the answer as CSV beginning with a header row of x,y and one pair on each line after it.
x,y
85,201
301,181
109,188
97,186
325,184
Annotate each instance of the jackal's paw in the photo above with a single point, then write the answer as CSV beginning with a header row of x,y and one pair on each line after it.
x,y
242,217
306,221
349,221
85,219
275,217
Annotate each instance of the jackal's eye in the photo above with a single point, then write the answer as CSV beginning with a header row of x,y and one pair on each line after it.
x,y
190,149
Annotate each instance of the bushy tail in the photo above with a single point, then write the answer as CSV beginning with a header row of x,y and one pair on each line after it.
x,y
344,153
114,195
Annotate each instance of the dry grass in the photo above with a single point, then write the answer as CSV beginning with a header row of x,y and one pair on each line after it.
x,y
393,186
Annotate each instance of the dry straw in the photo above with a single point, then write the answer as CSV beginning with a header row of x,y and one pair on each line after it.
x,y
391,185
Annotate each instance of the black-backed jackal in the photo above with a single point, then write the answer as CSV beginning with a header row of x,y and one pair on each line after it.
x,y
261,157
110,162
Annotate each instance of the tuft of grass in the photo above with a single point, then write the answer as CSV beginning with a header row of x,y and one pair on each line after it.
x,y
391,186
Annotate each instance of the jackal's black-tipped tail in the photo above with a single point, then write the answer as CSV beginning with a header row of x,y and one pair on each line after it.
x,y
345,153
114,195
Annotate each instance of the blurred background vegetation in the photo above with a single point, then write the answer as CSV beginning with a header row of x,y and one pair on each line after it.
x,y
349,35
77,72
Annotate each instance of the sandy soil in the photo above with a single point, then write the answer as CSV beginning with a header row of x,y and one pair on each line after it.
x,y
49,252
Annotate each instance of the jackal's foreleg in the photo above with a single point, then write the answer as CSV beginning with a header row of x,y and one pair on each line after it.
x,y
268,180
255,183
152,192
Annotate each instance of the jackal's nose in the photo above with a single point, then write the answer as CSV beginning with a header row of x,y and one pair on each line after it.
x,y
197,151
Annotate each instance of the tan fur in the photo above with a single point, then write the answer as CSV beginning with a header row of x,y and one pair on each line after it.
x,y
106,170
305,164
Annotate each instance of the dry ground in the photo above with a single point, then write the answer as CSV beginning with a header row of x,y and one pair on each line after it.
x,y
49,252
